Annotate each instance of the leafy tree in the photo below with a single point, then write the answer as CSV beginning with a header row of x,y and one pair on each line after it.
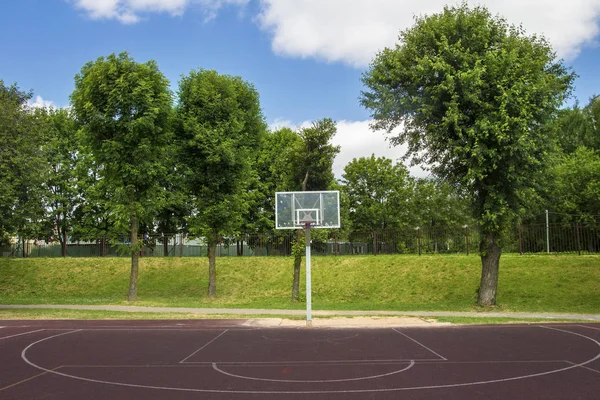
x,y
62,154
378,193
312,170
123,108
219,126
21,165
577,191
313,161
576,127
275,173
435,203
473,95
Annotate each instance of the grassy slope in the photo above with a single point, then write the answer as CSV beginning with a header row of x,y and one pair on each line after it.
x,y
527,283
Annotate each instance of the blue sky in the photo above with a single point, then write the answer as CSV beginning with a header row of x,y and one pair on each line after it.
x,y
305,57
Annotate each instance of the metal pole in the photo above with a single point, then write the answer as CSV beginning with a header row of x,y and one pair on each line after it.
x,y
308,279
547,234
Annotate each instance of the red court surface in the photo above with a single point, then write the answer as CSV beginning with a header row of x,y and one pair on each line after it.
x,y
223,359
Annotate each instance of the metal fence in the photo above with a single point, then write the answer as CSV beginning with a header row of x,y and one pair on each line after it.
x,y
575,239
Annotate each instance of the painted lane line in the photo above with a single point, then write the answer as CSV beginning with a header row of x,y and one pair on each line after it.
x,y
27,380
20,334
194,353
420,344
412,363
382,390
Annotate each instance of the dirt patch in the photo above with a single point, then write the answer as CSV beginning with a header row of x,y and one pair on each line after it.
x,y
345,322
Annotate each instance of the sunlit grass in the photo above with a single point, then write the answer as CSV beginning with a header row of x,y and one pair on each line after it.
x,y
540,283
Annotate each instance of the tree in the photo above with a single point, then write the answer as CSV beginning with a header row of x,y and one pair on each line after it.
x,y
378,193
577,186
473,95
435,203
21,165
576,127
123,108
219,125
62,155
312,170
275,173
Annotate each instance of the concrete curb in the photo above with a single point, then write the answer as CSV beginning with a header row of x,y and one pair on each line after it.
x,y
250,312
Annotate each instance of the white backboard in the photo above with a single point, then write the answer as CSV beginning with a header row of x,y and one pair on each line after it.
x,y
293,210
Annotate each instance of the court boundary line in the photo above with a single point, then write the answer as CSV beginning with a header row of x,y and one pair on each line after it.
x,y
420,344
382,390
589,327
203,347
21,334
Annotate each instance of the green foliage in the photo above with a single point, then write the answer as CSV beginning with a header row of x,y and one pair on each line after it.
x,y
378,193
21,165
274,173
437,204
123,108
577,186
61,150
219,127
473,95
576,127
315,157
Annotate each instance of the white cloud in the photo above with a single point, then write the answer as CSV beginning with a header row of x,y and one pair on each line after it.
x,y
39,102
354,31
356,140
130,11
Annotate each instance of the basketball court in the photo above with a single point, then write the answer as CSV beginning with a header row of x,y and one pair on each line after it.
x,y
225,359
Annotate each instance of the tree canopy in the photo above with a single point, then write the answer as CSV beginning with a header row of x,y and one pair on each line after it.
x,y
472,95
123,109
219,126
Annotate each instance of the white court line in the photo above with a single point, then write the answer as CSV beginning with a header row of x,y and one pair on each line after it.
x,y
412,363
194,353
19,334
589,327
281,392
302,363
588,368
420,344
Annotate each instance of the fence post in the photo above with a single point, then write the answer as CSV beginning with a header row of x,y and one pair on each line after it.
x,y
419,239
547,234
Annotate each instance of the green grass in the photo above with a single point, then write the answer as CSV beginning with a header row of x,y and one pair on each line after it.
x,y
540,283
55,314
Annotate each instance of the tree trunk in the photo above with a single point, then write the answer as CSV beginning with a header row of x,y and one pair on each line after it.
x,y
298,255
64,242
212,267
135,255
166,246
490,263
297,263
